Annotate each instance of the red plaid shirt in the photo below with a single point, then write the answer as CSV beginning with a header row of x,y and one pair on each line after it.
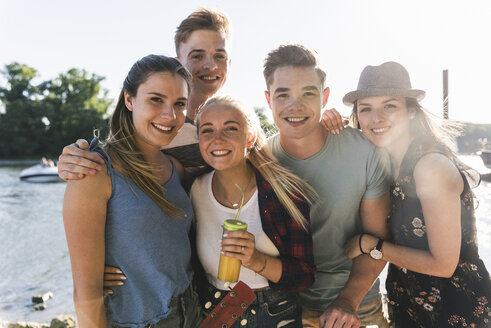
x,y
292,241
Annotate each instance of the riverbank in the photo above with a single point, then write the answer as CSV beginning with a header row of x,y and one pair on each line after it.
x,y
18,162
61,321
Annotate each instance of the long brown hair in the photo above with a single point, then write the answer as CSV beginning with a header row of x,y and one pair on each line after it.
x,y
424,124
285,184
121,145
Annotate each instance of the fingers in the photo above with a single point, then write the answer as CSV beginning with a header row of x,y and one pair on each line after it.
x,y
239,245
339,319
113,277
238,239
111,269
109,277
65,175
112,283
74,163
351,247
340,313
81,149
82,144
332,121
107,291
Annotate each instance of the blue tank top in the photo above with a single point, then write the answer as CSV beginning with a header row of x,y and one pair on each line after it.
x,y
150,247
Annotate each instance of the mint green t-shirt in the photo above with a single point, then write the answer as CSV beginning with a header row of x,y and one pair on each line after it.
x,y
349,168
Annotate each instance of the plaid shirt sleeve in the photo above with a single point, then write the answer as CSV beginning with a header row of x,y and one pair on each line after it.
x,y
292,241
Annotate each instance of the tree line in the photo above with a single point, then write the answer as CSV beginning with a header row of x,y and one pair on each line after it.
x,y
40,119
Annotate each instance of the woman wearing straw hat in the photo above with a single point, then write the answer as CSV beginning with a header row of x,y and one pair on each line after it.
x,y
436,278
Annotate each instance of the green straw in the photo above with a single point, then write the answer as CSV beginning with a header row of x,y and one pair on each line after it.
x,y
241,202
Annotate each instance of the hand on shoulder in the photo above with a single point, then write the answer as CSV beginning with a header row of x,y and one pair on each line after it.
x,y
76,161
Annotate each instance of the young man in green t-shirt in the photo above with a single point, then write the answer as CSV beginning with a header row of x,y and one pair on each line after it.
x,y
349,176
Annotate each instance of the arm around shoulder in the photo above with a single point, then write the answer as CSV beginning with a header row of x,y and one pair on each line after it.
x,y
438,187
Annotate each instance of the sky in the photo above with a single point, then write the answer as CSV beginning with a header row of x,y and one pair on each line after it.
x,y
426,36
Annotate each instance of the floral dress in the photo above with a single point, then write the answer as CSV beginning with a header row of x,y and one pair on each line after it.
x,y
420,300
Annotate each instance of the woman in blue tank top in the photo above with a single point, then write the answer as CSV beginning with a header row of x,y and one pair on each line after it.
x,y
134,214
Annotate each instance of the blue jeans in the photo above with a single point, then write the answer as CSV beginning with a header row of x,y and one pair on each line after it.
x,y
271,308
186,312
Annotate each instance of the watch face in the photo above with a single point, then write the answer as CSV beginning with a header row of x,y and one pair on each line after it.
x,y
376,254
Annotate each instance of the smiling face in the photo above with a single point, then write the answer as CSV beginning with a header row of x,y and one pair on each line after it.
x,y
385,120
296,97
205,55
158,109
224,137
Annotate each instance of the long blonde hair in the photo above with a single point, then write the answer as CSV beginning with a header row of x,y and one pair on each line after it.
x,y
121,144
285,184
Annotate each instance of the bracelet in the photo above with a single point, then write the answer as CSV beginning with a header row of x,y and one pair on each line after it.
x,y
264,266
359,243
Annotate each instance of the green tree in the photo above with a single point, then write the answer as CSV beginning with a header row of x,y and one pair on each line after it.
x,y
268,128
75,104
41,119
471,133
21,125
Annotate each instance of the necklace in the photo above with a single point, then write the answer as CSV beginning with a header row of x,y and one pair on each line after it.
x,y
236,204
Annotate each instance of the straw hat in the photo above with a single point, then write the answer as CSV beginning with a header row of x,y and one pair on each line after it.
x,y
388,79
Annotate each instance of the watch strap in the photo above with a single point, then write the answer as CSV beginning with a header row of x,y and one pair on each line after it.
x,y
379,244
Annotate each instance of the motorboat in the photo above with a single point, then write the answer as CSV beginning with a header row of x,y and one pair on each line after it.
x,y
41,172
486,157
478,164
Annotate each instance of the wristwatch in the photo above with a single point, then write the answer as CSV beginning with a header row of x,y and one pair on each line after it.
x,y
376,252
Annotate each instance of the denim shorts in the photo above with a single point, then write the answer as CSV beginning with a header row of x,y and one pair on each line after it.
x,y
272,307
186,312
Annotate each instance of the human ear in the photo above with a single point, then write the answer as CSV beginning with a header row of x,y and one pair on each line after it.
x,y
266,94
325,96
128,101
251,140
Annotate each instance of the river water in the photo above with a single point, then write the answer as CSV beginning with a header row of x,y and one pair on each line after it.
x,y
34,256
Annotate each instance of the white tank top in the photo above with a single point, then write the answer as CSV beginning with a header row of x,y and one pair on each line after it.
x,y
209,218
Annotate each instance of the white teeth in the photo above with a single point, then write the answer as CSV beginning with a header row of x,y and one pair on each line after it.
x,y
209,78
380,130
162,127
219,152
295,119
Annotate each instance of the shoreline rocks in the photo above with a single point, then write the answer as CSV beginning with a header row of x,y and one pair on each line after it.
x,y
61,321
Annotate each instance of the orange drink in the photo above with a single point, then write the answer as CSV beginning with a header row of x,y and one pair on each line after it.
x,y
228,267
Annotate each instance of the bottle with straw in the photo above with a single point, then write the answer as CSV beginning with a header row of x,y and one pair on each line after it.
x,y
228,267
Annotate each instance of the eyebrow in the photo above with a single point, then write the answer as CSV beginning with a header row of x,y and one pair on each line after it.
x,y
157,94
310,87
226,122
164,96
205,124
278,90
307,88
202,50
